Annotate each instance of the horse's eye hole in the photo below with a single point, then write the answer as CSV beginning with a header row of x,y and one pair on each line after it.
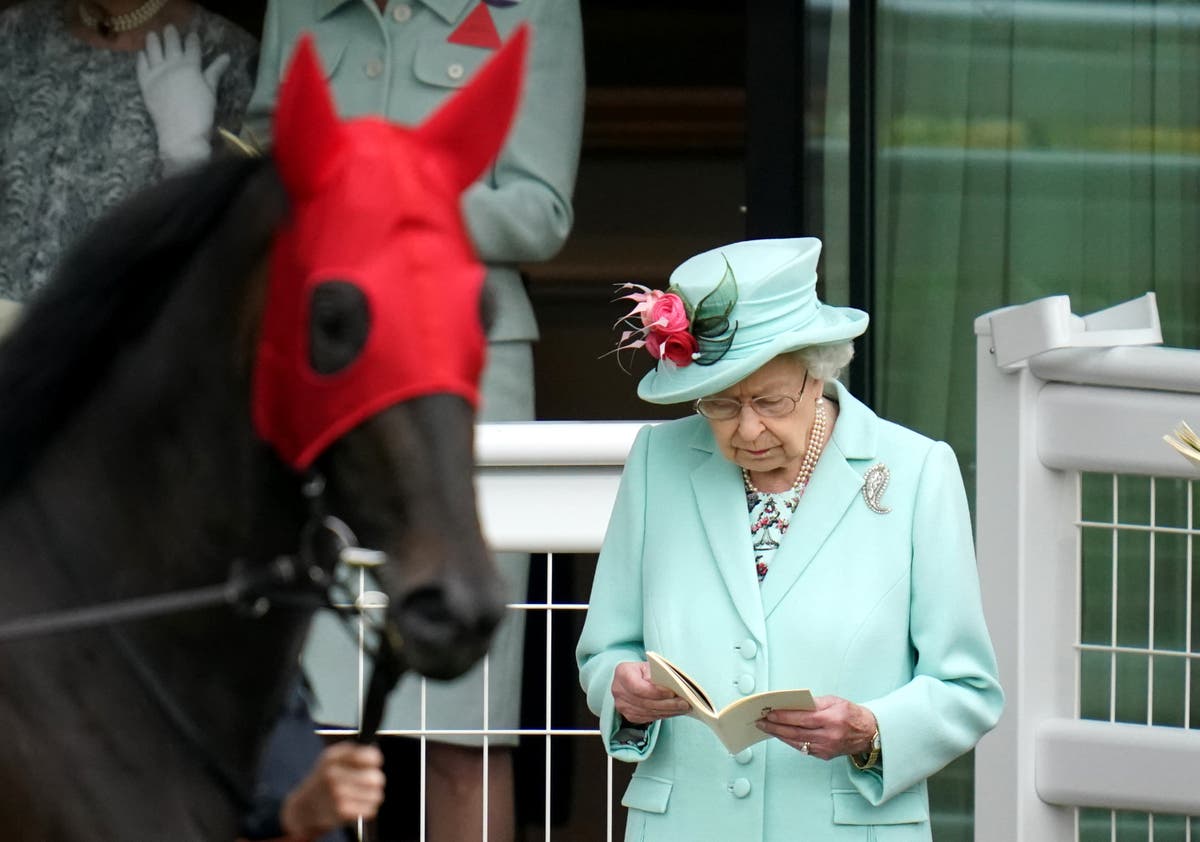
x,y
339,326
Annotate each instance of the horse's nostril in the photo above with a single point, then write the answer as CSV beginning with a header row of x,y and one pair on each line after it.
x,y
428,605
445,635
436,616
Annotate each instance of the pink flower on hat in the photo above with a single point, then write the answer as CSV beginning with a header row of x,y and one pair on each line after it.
x,y
670,328
667,314
664,325
677,347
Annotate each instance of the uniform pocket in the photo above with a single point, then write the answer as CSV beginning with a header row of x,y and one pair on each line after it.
x,y
849,807
446,65
331,43
647,793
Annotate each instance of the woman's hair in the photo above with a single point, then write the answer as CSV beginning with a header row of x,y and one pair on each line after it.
x,y
825,362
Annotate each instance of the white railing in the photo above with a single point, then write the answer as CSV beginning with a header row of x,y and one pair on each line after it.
x,y
1061,400
548,487
544,488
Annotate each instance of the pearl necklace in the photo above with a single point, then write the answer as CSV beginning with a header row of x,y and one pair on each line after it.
x,y
816,444
110,25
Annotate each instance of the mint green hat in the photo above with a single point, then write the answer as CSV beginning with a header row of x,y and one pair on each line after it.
x,y
776,311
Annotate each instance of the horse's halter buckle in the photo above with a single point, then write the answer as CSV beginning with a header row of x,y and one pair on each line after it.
x,y
388,657
343,542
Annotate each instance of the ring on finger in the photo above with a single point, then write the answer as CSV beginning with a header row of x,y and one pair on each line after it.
x,y
804,749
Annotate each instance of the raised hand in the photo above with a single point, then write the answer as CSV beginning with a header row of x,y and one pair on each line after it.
x,y
180,96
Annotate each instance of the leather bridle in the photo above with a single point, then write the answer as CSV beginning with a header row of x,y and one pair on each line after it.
x,y
300,582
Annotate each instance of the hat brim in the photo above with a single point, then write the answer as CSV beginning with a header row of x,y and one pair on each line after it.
x,y
668,383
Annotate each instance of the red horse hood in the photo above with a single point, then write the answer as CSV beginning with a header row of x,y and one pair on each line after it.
x,y
376,208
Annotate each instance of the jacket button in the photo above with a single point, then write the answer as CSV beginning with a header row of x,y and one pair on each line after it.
x,y
402,13
373,68
747,648
455,71
744,756
740,788
745,684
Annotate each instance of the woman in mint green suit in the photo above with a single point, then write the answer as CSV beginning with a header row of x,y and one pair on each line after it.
x,y
400,59
783,537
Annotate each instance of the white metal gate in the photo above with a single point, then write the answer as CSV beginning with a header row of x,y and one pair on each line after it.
x,y
1086,522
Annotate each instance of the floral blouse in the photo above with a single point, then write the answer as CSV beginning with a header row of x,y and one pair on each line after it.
x,y
770,515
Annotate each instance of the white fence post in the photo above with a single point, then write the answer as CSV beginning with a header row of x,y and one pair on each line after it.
x,y
1027,532
1025,515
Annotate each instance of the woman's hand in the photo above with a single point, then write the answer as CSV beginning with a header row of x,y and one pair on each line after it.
x,y
180,96
835,728
639,699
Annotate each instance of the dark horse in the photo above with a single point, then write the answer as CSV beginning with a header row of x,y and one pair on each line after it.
x,y
147,444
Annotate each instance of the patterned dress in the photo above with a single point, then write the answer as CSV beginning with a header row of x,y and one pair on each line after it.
x,y
770,514
75,136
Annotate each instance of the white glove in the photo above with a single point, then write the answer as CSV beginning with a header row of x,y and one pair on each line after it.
x,y
180,97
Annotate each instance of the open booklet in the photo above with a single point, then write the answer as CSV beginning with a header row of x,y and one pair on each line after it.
x,y
1186,442
734,723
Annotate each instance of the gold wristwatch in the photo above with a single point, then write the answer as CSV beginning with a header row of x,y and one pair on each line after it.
x,y
869,759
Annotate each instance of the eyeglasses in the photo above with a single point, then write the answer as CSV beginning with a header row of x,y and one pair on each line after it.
x,y
767,406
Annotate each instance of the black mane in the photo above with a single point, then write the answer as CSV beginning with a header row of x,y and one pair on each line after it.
x,y
112,286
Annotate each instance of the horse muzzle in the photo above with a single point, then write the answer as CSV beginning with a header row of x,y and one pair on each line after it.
x,y
444,623
446,626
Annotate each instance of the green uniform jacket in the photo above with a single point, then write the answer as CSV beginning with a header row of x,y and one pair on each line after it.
x,y
401,65
881,609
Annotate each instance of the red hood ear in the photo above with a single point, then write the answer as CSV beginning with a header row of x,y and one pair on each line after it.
x,y
306,123
472,125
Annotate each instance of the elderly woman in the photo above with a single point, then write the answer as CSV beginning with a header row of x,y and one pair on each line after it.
x,y
97,104
784,537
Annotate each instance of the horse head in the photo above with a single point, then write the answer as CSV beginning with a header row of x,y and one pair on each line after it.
x,y
372,342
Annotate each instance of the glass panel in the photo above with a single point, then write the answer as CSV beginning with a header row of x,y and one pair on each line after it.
x,y
1170,674
1170,829
1132,684
1195,605
1133,827
1095,676
1095,825
1194,701
1096,503
1133,594
1097,568
1170,591
1133,500
1026,149
829,143
1171,503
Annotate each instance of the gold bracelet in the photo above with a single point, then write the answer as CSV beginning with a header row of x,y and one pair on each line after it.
x,y
872,755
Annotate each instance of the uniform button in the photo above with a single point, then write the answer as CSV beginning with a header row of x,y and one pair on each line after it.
x,y
740,788
744,756
747,648
745,684
402,13
455,71
373,68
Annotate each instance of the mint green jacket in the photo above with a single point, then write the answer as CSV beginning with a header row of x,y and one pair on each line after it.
x,y
879,608
401,65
